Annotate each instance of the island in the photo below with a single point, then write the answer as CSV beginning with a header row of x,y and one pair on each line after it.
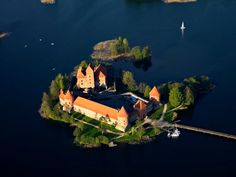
x,y
178,1
109,109
119,49
48,1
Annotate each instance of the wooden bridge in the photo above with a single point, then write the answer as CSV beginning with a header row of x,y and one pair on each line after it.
x,y
201,130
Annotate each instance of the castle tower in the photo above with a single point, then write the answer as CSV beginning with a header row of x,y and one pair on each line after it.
x,y
122,119
66,100
154,94
141,108
100,73
90,77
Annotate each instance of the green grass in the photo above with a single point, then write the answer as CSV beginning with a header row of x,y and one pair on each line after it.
x,y
110,127
152,132
168,117
91,131
127,138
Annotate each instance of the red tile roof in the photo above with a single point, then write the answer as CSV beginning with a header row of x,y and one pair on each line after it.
x,y
80,73
61,94
67,96
89,69
122,112
154,92
140,105
100,71
99,108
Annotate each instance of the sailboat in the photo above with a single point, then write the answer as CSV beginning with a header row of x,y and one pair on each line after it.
x,y
182,26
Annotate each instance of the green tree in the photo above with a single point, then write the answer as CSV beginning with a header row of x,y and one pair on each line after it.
x,y
61,81
113,49
137,53
164,90
83,64
147,91
146,52
103,139
126,45
175,97
54,91
45,109
141,87
188,96
128,80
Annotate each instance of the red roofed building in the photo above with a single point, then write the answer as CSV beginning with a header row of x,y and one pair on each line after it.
x,y
141,109
154,94
95,110
90,77
66,100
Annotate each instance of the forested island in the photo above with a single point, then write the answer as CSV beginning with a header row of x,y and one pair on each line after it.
x,y
119,49
164,102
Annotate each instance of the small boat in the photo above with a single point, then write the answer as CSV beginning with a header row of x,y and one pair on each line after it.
x,y
182,26
3,34
174,134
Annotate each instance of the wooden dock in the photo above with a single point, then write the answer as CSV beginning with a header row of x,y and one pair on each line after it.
x,y
201,130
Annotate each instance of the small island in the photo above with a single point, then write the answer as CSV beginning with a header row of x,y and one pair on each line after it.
x,y
178,1
106,109
119,49
48,1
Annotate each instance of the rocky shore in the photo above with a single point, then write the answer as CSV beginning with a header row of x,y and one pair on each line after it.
x,y
101,51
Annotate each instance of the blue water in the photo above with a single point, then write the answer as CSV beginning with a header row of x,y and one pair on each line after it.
x,y
31,146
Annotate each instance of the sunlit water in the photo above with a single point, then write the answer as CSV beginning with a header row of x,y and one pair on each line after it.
x,y
58,37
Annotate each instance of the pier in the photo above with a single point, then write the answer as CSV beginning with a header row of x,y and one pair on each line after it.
x,y
165,125
205,131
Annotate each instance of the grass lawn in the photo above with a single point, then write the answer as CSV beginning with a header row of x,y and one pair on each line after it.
x,y
151,132
168,117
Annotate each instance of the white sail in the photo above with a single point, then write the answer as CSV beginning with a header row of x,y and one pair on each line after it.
x,y
182,26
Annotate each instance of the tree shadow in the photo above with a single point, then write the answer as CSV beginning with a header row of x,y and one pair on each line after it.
x,y
144,64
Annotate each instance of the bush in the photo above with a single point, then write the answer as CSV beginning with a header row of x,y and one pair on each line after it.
x,y
175,97
137,53
128,80
147,91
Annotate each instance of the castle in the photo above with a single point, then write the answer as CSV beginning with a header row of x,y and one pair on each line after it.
x,y
120,118
91,77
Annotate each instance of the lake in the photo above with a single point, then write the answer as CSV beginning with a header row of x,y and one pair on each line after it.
x,y
31,146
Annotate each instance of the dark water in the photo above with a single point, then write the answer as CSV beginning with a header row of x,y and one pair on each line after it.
x,y
31,146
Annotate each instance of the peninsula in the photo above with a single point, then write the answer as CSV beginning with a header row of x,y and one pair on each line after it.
x,y
104,108
119,49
